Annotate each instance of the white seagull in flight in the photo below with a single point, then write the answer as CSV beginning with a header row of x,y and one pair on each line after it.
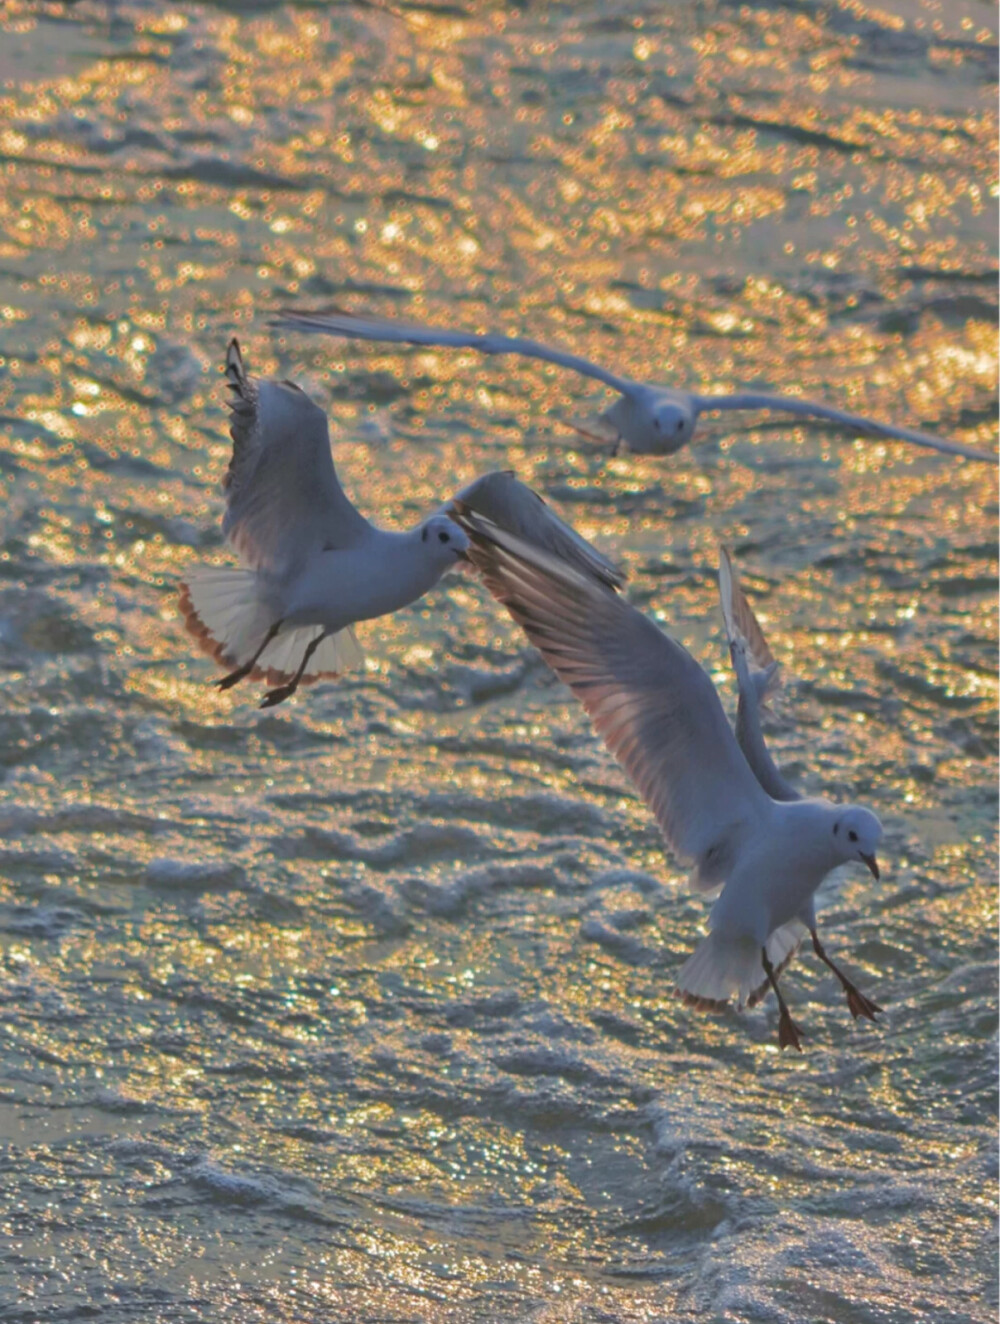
x,y
651,419
659,714
312,564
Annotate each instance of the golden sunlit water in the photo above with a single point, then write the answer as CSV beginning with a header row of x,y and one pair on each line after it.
x,y
361,1009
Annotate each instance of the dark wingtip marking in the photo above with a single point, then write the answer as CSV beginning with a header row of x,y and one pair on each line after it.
x,y
234,362
701,1004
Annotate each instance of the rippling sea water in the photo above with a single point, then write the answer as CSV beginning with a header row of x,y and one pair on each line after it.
x,y
361,1009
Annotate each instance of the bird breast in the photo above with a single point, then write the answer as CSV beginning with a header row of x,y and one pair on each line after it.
x,y
338,587
778,871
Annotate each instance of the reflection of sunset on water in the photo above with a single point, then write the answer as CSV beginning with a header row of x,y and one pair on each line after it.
x,y
362,1009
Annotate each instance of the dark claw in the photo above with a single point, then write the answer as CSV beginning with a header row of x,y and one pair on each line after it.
x,y
788,1031
227,682
274,697
247,667
860,1005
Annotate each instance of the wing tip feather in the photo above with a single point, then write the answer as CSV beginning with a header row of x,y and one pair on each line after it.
x,y
235,371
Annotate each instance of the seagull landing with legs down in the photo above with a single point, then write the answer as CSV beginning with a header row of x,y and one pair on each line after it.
x,y
659,714
648,418
313,565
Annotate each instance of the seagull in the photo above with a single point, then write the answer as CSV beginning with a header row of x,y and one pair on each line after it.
x,y
312,564
660,716
650,419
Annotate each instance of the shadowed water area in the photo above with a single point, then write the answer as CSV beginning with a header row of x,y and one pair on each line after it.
x,y
361,1009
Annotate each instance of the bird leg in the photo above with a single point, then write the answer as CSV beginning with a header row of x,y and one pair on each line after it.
x,y
857,1002
227,682
788,1031
285,691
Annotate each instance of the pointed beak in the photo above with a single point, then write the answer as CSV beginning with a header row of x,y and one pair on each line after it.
x,y
872,863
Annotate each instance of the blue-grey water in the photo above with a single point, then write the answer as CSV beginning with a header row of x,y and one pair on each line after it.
x,y
361,1009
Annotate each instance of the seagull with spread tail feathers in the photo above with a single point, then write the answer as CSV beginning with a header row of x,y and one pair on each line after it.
x,y
313,566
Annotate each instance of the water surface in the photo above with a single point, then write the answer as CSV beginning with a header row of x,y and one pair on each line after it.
x,y
361,1009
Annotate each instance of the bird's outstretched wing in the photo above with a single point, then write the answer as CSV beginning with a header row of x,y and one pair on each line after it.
x,y
869,427
283,499
651,702
756,675
364,327
357,327
515,508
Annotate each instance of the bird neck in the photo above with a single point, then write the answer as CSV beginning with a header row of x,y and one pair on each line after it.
x,y
809,825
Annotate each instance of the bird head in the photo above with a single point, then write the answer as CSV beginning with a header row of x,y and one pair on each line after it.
x,y
444,540
671,423
856,834
652,420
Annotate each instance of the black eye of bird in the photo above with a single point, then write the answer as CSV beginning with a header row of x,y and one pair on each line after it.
x,y
442,536
853,836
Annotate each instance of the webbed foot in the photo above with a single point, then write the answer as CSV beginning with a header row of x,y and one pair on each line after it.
x,y
279,695
857,1002
788,1031
234,677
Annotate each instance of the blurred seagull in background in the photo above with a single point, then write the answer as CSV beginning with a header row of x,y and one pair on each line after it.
x,y
650,419
312,564
716,803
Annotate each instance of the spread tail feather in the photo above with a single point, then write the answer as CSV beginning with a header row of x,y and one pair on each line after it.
x,y
722,968
224,612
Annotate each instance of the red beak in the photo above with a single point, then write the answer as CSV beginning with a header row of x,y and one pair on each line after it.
x,y
872,863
